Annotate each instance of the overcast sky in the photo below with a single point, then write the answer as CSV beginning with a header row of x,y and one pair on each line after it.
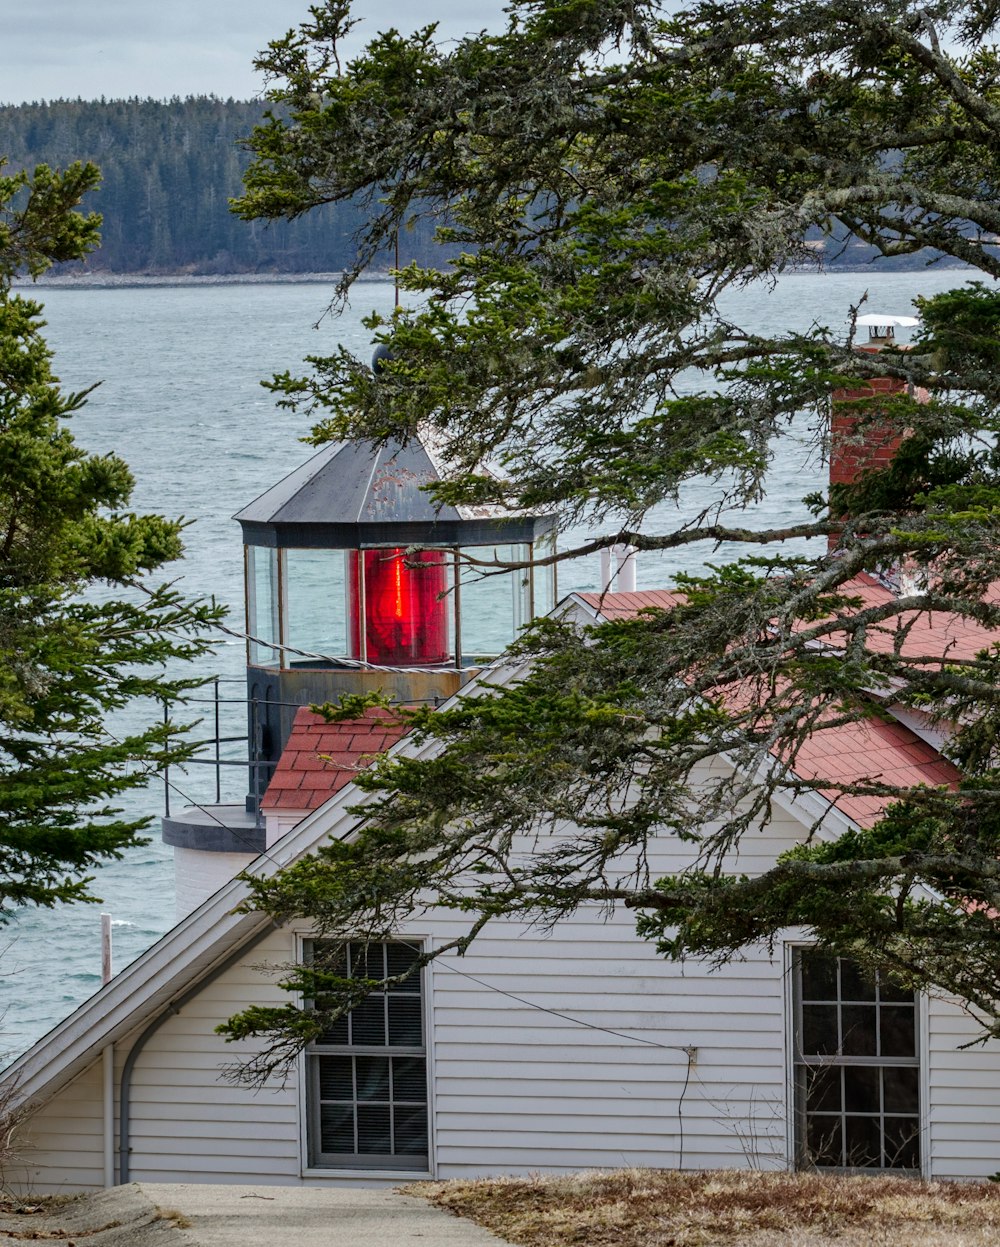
x,y
65,49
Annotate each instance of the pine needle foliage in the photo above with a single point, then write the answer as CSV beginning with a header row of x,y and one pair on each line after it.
x,y
608,172
81,633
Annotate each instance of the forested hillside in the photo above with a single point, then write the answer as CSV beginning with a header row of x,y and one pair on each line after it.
x,y
169,169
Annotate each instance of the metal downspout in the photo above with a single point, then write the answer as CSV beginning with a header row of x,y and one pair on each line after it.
x,y
172,1009
108,1095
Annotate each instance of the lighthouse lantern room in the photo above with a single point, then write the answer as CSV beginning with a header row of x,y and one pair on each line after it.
x,y
356,581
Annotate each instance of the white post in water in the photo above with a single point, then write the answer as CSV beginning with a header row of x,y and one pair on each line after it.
x,y
105,948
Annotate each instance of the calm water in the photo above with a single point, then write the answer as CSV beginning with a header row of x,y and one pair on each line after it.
x,y
180,400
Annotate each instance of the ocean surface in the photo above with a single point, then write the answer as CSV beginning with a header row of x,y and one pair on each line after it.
x,y
180,399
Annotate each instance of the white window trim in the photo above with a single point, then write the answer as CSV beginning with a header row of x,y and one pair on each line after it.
x,y
791,946
331,1173
924,1082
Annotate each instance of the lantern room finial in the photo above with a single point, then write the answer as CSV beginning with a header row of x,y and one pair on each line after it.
x,y
380,356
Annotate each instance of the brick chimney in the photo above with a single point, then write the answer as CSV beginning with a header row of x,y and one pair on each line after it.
x,y
850,453
853,453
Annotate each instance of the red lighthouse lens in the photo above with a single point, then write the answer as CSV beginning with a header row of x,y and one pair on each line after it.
x,y
405,612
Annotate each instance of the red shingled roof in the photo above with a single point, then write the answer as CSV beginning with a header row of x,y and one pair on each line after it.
x,y
875,750
320,758
931,633
949,636
626,605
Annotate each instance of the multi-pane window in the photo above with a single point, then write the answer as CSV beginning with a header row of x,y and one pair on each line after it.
x,y
367,1075
857,1070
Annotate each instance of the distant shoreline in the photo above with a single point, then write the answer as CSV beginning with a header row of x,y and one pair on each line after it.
x,y
124,281
110,281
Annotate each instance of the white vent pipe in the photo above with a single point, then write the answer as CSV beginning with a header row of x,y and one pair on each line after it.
x,y
618,568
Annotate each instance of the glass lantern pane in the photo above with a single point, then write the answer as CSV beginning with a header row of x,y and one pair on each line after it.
x,y
316,594
407,606
544,577
263,605
494,605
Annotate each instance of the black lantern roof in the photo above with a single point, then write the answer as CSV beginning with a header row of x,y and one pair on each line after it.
x,y
352,494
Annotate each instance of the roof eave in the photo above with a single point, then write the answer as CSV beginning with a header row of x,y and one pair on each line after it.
x,y
195,946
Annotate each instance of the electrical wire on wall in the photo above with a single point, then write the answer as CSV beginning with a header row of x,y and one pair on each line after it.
x,y
689,1050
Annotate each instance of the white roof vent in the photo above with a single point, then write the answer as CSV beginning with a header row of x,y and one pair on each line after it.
x,y
881,326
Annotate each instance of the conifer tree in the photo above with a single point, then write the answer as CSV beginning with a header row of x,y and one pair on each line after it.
x,y
608,172
81,635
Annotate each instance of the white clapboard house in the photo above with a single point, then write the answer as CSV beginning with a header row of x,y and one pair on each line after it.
x,y
537,1051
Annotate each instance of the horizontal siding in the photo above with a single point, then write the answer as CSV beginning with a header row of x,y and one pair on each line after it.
x,y
621,1065
219,1128
603,1027
569,1099
60,1178
61,1147
563,1051
540,1082
623,1121
259,1146
560,994
635,1049
963,1120
519,1089
954,1102
510,1160
617,1136
200,1058
188,1122
516,1088
218,1174
214,1109
586,951
213,1168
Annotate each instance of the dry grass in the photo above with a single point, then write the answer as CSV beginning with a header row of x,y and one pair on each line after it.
x,y
22,1206
658,1208
175,1217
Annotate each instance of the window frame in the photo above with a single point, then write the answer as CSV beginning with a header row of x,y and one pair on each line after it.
x,y
322,1164
265,619
798,1063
